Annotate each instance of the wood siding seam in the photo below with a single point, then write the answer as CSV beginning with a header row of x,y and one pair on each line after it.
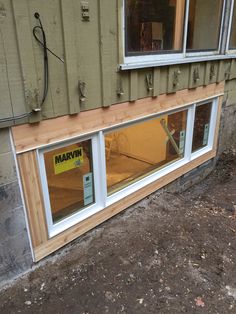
x,y
68,18
133,85
156,82
27,58
105,52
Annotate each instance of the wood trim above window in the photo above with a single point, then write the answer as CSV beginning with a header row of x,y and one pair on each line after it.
x,y
28,138
31,136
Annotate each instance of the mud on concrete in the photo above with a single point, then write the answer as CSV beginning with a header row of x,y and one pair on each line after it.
x,y
170,253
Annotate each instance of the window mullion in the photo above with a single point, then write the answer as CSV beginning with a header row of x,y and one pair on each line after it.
x,y
102,169
229,24
213,119
189,133
186,28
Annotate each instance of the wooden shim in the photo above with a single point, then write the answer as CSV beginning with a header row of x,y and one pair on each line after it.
x,y
69,33
67,236
25,47
28,137
33,197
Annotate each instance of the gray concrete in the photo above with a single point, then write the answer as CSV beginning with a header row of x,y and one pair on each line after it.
x,y
227,138
15,254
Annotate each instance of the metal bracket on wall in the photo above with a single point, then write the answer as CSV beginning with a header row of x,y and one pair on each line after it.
x,y
81,87
228,72
196,76
120,90
212,72
149,82
176,76
85,11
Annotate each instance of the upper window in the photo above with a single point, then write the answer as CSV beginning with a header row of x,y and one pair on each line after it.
x,y
203,34
159,30
232,40
154,26
158,26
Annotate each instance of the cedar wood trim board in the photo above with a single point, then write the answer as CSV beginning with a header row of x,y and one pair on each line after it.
x,y
29,137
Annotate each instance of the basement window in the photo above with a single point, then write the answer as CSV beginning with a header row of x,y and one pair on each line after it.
x,y
86,175
201,126
69,171
69,175
140,149
166,31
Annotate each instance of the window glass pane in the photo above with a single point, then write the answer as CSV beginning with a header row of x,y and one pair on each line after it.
x,y
232,43
135,151
70,178
204,24
201,126
154,25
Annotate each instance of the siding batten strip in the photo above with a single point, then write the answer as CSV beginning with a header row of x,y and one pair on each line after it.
x,y
105,52
133,85
26,53
156,82
69,33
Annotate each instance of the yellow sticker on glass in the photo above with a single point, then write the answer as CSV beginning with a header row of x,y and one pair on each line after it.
x,y
68,160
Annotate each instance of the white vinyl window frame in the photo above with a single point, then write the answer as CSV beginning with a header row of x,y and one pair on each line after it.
x,y
69,221
102,199
228,50
143,61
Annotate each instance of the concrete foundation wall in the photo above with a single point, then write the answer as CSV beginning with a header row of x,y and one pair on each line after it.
x,y
15,254
227,138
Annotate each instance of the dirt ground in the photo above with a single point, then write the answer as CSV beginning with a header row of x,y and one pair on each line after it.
x,y
170,253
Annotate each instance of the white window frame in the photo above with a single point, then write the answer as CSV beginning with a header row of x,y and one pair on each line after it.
x,y
188,155
142,61
228,50
69,221
102,199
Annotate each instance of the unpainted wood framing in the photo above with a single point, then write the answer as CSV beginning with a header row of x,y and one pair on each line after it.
x,y
30,137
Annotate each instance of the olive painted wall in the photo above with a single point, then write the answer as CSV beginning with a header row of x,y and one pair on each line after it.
x,y
90,76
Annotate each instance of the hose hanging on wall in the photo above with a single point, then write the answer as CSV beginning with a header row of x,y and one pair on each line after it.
x,y
43,43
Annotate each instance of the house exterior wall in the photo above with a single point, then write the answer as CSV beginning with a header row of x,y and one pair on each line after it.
x,y
91,52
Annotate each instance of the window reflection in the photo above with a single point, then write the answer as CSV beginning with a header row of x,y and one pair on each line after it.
x,y
70,178
153,25
135,151
201,126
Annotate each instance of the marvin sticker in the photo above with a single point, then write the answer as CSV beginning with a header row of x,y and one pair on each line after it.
x,y
68,160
